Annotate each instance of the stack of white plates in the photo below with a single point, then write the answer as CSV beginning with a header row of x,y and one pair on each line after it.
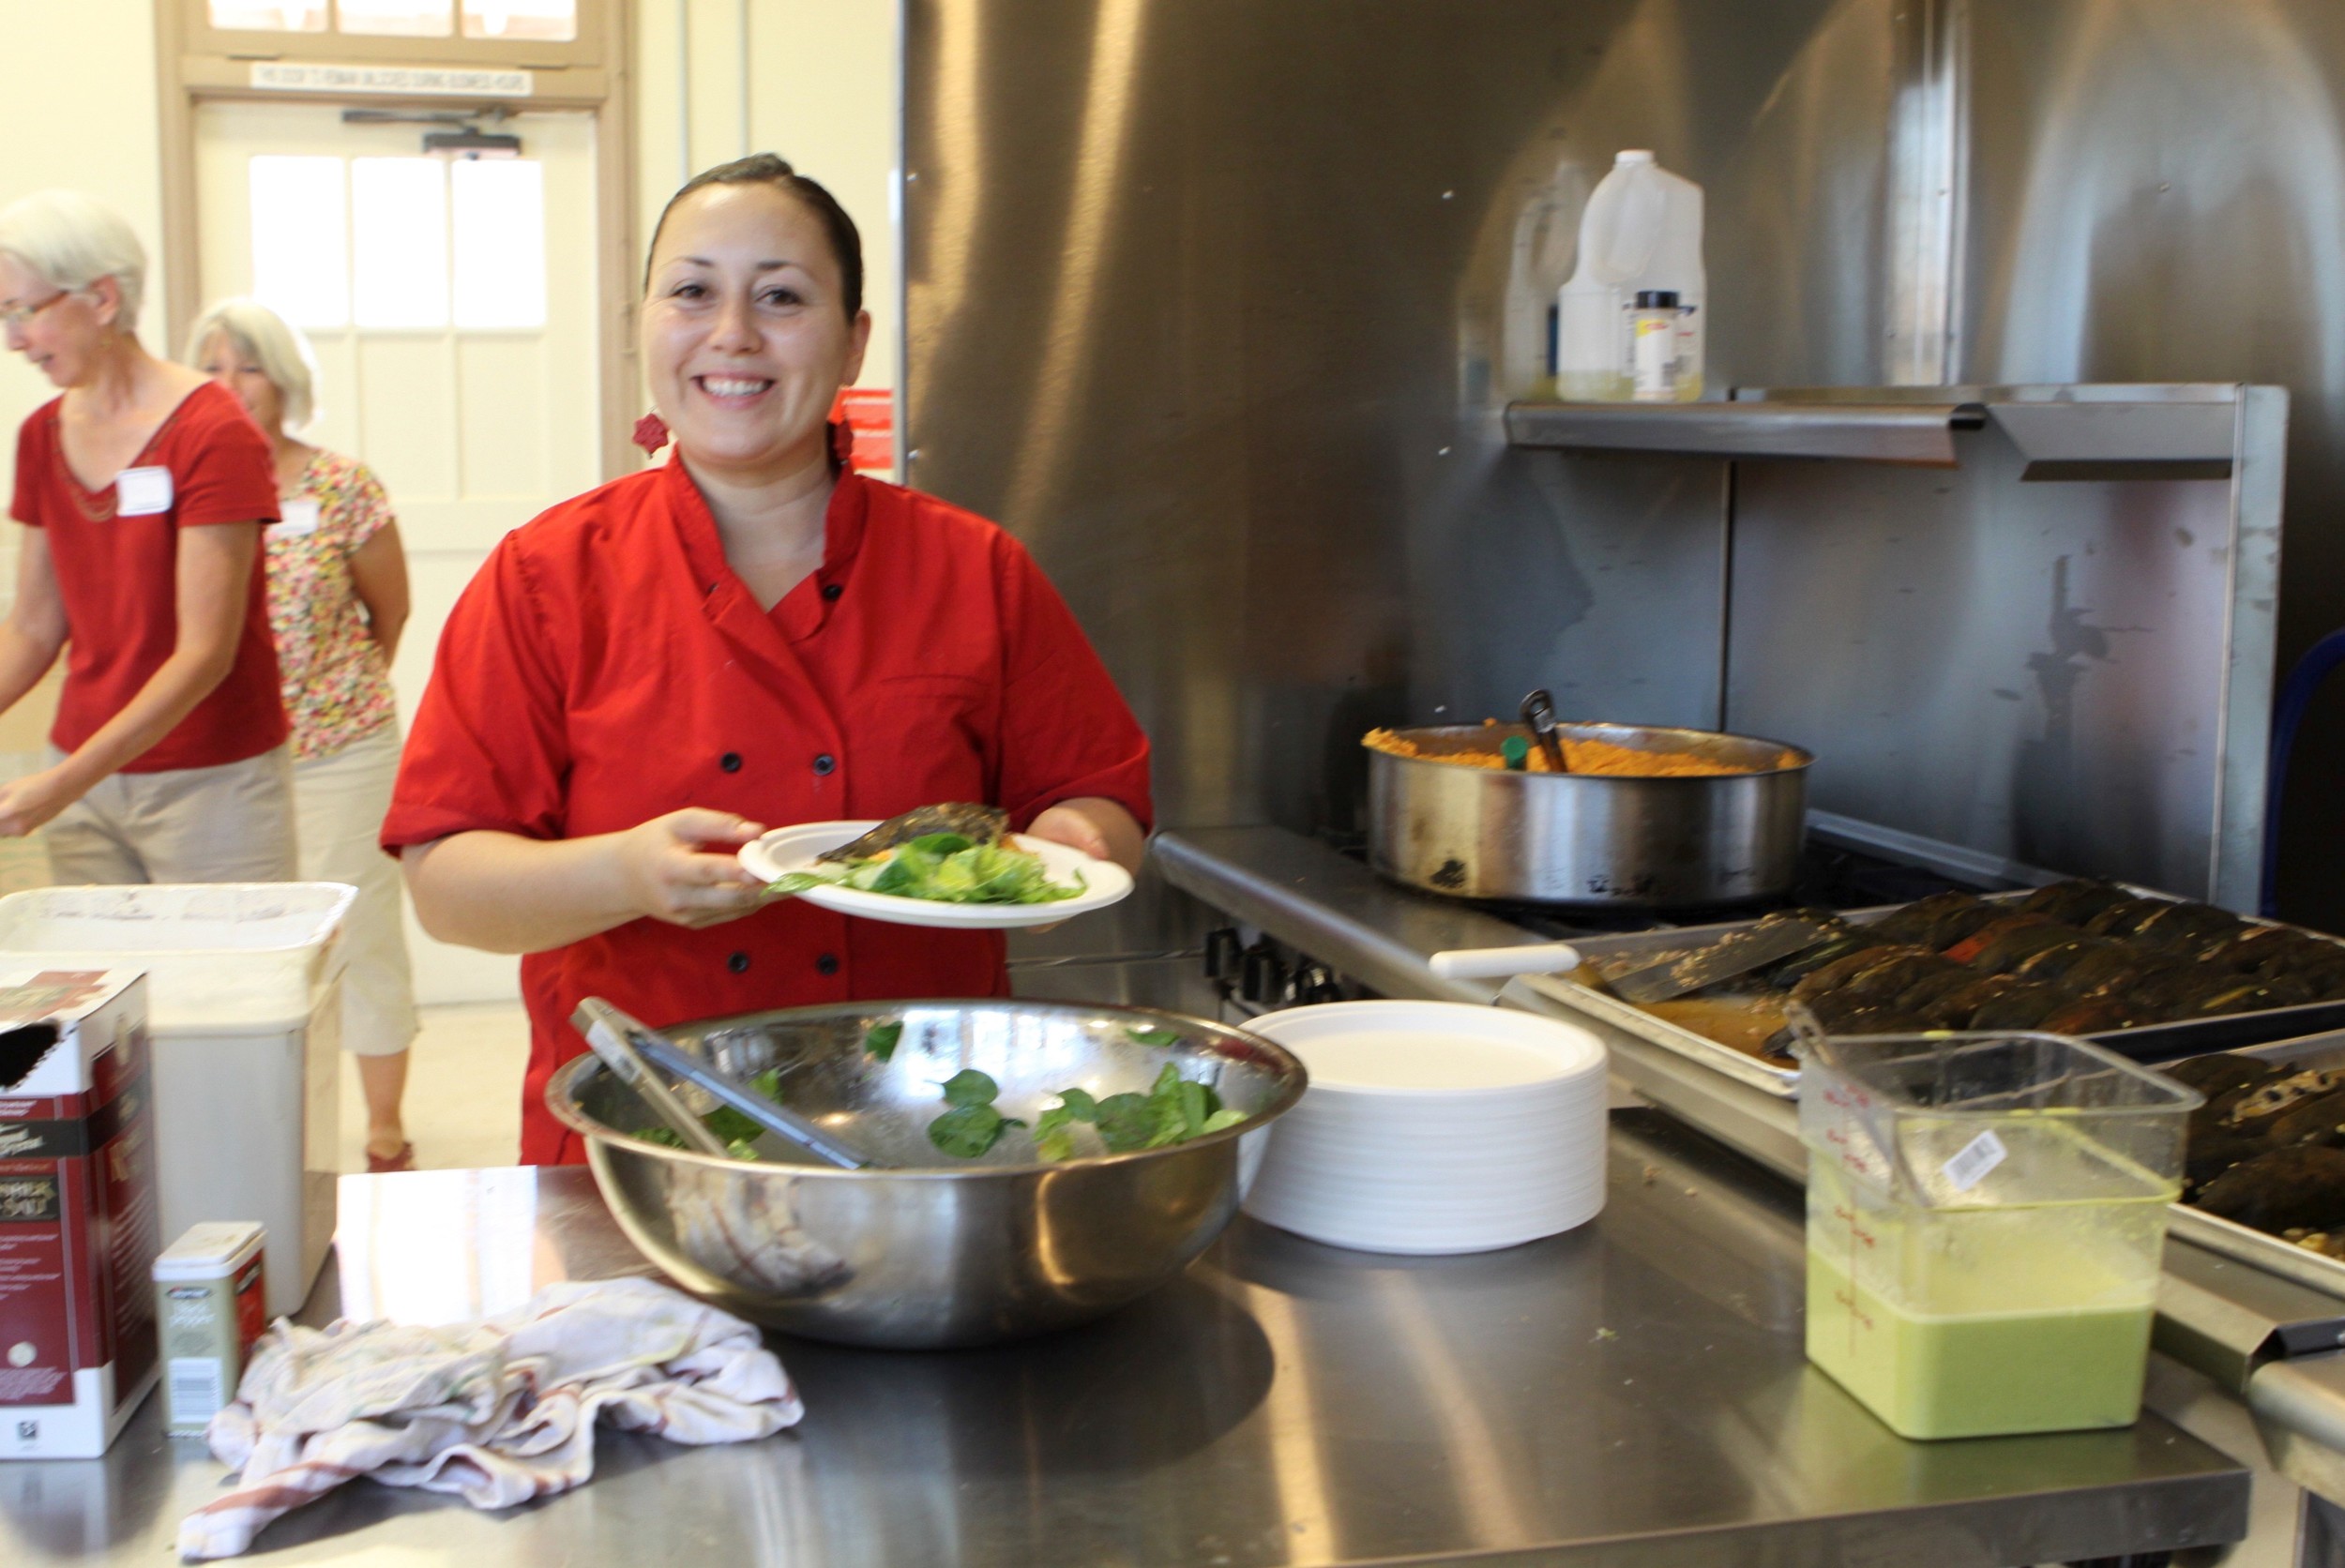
x,y
1432,1127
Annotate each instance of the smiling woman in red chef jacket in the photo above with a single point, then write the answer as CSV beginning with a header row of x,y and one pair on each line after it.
x,y
644,678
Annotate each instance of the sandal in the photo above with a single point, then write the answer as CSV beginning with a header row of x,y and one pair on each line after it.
x,y
378,1165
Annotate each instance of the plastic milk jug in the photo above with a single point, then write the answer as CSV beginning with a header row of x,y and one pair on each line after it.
x,y
1642,232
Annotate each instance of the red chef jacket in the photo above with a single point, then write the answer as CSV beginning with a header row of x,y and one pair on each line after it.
x,y
606,666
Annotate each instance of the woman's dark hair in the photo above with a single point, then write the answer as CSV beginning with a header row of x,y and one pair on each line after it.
x,y
846,243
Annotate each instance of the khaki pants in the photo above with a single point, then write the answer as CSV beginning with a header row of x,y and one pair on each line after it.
x,y
341,802
232,823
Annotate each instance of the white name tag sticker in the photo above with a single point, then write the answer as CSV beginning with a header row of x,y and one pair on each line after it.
x,y
142,492
296,520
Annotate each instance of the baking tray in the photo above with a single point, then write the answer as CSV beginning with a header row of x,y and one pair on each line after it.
x,y
1739,1065
2147,1043
2255,1248
2324,1046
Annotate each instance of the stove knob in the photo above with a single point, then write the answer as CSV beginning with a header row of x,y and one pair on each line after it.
x,y
1222,954
1263,977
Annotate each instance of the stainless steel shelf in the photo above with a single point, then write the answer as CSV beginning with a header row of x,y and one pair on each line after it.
x,y
1871,432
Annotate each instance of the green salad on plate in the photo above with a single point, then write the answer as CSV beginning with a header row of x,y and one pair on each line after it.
x,y
943,868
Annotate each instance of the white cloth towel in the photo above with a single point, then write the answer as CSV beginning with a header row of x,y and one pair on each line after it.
x,y
499,1412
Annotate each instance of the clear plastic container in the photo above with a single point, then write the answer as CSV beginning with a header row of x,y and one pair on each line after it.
x,y
1985,1220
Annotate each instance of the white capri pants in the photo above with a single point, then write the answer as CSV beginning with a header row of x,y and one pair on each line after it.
x,y
341,801
233,822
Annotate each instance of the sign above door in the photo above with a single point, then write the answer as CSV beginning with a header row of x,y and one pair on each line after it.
x,y
285,75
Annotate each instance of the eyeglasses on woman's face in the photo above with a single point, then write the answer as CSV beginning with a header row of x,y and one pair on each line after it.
x,y
16,317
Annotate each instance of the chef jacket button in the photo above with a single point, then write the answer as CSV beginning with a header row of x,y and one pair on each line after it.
x,y
827,964
832,590
826,764
730,762
738,963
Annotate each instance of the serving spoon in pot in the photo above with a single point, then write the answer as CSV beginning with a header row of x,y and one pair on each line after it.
x,y
1538,712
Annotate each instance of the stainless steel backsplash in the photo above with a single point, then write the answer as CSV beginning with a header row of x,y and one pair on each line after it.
x,y
1214,304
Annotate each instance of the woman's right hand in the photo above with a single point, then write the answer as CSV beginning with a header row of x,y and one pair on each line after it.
x,y
682,868
27,802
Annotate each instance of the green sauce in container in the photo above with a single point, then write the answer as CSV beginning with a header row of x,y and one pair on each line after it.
x,y
1985,1224
1936,1376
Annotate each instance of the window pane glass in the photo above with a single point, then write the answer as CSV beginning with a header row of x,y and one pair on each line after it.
x,y
415,19
500,208
270,16
300,239
399,241
521,19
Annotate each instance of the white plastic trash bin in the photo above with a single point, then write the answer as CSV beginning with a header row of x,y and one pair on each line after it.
x,y
244,984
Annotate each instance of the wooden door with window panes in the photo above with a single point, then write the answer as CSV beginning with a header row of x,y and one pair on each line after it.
x,y
452,308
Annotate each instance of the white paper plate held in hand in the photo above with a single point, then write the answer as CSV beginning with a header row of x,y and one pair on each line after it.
x,y
1434,1127
798,849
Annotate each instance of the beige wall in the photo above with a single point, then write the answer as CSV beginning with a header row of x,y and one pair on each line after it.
x,y
821,93
77,108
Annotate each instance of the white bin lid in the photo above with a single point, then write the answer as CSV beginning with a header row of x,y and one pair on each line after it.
x,y
225,918
219,956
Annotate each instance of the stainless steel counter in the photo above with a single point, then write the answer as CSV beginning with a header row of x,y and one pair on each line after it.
x,y
2255,1352
1631,1394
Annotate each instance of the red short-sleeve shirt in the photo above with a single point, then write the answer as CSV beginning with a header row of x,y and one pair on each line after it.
x,y
606,666
119,577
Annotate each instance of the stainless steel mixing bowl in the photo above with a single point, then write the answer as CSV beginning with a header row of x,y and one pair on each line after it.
x,y
940,1251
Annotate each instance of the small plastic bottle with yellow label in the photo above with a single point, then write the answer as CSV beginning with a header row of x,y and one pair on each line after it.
x,y
1654,365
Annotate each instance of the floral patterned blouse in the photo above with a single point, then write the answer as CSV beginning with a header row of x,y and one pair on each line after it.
x,y
337,685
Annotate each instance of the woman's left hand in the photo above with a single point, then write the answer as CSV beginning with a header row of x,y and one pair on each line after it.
x,y
28,801
1097,826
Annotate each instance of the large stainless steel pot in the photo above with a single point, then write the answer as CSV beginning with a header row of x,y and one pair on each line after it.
x,y
1590,839
931,1251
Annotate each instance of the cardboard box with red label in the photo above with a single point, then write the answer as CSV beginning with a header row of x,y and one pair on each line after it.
x,y
77,1233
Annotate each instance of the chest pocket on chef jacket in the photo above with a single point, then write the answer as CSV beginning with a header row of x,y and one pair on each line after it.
x,y
928,737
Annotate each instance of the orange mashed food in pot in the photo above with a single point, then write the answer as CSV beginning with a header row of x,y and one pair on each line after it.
x,y
1580,755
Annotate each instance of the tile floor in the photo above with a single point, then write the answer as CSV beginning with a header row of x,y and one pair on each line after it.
x,y
464,1105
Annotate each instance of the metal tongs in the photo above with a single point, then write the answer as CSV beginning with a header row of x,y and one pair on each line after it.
x,y
641,1054
1538,712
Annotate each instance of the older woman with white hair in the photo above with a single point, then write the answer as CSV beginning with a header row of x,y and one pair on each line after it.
x,y
337,601
144,488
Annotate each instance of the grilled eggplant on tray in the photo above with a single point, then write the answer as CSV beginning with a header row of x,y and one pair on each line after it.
x,y
2074,958
2267,1150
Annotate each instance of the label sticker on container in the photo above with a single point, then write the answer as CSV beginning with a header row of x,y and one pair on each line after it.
x,y
1974,1160
195,1391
